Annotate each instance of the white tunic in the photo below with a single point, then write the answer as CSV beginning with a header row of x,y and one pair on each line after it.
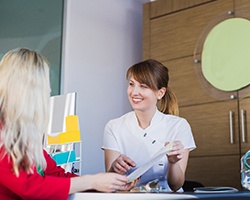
x,y
127,137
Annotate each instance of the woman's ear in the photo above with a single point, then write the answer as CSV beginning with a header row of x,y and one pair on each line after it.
x,y
161,93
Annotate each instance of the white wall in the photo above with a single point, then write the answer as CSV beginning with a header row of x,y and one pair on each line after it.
x,y
102,38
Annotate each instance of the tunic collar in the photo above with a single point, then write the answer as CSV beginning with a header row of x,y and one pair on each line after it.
x,y
157,117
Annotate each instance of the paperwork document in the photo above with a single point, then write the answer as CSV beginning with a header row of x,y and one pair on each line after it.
x,y
141,170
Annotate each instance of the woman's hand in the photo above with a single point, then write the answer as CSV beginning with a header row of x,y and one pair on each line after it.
x,y
130,185
178,159
122,164
111,182
177,152
103,182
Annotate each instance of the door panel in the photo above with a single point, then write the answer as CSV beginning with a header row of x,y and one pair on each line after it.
x,y
210,124
242,8
190,86
245,107
162,7
215,171
175,35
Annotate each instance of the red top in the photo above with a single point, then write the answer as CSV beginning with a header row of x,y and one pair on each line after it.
x,y
54,184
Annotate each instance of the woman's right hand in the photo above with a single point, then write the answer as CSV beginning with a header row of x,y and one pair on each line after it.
x,y
122,164
103,182
111,182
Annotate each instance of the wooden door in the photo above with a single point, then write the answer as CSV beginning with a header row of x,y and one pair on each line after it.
x,y
175,35
211,124
242,8
162,7
244,125
215,170
216,160
171,35
190,86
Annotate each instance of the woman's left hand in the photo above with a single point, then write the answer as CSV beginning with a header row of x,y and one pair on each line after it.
x,y
177,152
130,185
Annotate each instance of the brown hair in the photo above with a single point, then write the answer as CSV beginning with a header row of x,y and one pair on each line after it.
x,y
155,75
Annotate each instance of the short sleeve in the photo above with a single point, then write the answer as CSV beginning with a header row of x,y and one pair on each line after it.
x,y
185,135
109,139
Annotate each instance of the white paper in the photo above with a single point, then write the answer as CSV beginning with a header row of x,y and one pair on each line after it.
x,y
141,170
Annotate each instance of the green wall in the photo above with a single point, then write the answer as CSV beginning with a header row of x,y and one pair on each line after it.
x,y
35,24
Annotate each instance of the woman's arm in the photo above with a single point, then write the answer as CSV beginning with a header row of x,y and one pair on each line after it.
x,y
104,182
178,159
110,157
116,162
53,170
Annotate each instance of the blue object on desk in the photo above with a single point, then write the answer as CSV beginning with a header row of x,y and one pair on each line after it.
x,y
64,157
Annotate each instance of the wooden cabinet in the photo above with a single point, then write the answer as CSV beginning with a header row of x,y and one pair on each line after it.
x,y
215,170
211,127
216,161
189,86
220,120
244,109
175,35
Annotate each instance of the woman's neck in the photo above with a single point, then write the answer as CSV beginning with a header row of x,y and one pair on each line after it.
x,y
144,118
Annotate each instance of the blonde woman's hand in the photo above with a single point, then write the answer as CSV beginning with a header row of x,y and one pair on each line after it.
x,y
111,182
177,152
130,185
122,164
103,182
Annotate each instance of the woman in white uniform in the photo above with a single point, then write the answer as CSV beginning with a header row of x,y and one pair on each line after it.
x,y
129,141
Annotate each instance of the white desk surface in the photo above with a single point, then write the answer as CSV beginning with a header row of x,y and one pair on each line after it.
x,y
241,195
130,196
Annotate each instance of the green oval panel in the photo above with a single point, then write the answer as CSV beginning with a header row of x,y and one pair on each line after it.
x,y
226,55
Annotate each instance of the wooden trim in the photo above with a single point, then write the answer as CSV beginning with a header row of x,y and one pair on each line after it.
x,y
146,31
162,7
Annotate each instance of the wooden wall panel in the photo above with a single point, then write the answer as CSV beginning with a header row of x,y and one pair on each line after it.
x,y
172,35
242,8
215,171
245,106
162,7
211,128
175,36
189,86
146,31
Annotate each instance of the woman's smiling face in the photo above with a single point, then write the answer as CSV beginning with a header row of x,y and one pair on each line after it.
x,y
141,97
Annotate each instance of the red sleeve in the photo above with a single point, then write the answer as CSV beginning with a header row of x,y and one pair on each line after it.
x,y
54,184
33,186
54,170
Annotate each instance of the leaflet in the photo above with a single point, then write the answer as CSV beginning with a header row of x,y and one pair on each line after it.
x,y
157,156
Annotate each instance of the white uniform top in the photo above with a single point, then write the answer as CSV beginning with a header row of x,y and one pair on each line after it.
x,y
127,137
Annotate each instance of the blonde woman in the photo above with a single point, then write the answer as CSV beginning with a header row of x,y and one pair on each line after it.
x,y
129,141
27,171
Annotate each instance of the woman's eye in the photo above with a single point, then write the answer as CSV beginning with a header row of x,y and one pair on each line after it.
x,y
144,86
131,84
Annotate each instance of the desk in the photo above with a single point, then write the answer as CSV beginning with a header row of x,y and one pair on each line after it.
x,y
159,196
129,196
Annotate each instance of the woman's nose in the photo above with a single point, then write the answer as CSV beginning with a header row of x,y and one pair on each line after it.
x,y
135,90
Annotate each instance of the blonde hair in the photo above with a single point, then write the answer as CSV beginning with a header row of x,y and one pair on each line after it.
x,y
155,75
24,101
